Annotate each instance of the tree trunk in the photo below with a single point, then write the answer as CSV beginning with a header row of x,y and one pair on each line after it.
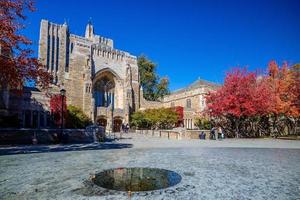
x,y
237,128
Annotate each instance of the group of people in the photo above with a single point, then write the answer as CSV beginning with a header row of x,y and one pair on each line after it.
x,y
216,133
125,128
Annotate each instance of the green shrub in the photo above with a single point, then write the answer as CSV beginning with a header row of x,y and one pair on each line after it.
x,y
203,123
76,118
161,118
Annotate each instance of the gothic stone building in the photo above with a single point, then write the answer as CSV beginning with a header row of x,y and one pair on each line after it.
x,y
98,78
191,98
101,80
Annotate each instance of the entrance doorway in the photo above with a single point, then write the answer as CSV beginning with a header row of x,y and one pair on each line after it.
x,y
117,124
102,121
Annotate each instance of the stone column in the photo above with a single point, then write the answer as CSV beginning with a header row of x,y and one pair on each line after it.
x,y
45,119
38,119
94,110
112,110
23,118
31,118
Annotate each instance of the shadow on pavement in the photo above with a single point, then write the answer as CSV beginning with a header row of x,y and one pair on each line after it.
x,y
28,149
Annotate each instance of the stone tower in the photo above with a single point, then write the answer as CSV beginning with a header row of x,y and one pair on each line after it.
x,y
101,80
54,49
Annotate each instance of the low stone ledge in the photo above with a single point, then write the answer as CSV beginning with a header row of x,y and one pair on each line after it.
x,y
43,136
175,134
194,134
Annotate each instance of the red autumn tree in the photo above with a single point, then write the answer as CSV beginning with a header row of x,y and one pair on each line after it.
x,y
58,106
179,111
242,96
247,103
16,61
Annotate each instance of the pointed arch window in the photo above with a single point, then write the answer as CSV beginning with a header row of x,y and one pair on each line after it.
x,y
104,92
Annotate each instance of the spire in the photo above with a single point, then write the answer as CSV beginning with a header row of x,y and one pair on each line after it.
x,y
89,31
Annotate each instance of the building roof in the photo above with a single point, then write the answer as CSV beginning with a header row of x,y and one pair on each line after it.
x,y
197,84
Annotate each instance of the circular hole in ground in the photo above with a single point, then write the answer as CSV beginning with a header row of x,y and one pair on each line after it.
x,y
136,179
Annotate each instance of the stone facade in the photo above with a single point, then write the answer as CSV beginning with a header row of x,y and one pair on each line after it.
x,y
98,78
31,109
191,98
101,80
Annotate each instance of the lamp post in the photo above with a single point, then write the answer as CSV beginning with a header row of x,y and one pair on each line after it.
x,y
62,94
112,111
108,85
105,104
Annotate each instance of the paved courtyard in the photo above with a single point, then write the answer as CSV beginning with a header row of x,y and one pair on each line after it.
x,y
229,169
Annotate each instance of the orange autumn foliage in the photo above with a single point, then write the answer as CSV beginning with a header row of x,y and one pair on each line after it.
x,y
252,105
285,88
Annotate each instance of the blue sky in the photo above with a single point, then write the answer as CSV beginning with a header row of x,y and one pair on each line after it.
x,y
188,39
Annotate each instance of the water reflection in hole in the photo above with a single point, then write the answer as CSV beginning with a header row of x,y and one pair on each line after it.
x,y
136,179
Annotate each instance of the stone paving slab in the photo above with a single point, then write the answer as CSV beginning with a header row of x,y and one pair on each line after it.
x,y
144,141
229,169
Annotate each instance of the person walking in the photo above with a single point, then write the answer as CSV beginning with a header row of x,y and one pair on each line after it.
x,y
127,128
220,133
123,127
212,134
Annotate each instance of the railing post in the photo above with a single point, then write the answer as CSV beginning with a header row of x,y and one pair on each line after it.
x,y
34,138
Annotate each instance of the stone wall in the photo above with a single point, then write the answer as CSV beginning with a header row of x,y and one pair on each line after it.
x,y
145,104
196,98
42,136
194,134
172,134
180,99
32,107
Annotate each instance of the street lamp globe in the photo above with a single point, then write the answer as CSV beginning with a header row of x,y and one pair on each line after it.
x,y
62,92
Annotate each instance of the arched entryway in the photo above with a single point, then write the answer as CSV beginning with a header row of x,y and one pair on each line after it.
x,y
108,97
102,121
117,124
